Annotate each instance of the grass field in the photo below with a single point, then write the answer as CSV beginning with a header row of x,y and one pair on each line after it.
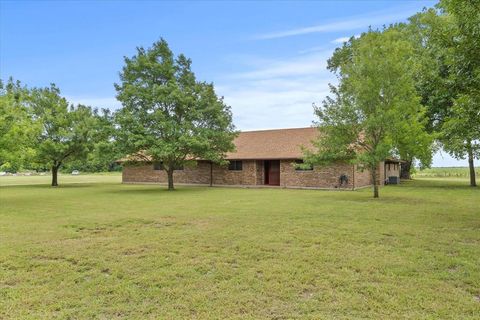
x,y
109,251
110,177
446,172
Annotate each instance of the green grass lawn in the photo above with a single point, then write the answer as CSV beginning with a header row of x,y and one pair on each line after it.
x,y
109,251
62,179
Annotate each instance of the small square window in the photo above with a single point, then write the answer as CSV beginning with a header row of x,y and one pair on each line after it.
x,y
303,166
235,165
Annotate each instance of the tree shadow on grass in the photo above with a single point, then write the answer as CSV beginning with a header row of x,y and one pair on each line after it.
x,y
48,186
384,199
150,188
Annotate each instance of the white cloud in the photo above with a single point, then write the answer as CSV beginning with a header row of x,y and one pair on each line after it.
x,y
279,93
370,19
313,49
96,102
341,40
288,67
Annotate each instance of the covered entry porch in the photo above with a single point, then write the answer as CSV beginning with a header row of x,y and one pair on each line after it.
x,y
267,172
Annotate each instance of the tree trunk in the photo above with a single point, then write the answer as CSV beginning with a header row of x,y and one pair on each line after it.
x,y
170,178
473,182
374,181
54,176
405,168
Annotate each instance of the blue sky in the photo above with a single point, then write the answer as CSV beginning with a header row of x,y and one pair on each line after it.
x,y
266,58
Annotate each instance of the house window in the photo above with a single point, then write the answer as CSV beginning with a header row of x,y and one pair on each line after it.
x,y
301,166
235,165
157,165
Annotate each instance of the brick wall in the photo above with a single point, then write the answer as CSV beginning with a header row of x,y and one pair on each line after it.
x,y
319,177
253,174
260,174
362,177
199,174
247,176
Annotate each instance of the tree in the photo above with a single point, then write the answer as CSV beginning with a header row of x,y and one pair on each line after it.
x,y
104,153
461,131
448,39
67,133
413,143
16,127
168,116
373,106
427,69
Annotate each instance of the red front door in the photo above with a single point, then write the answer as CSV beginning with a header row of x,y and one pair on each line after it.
x,y
272,172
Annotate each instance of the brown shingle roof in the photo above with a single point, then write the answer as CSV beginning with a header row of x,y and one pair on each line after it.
x,y
273,144
262,145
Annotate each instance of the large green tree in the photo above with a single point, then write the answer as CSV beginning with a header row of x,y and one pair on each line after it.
x,y
374,107
67,132
426,71
447,39
17,130
461,131
168,116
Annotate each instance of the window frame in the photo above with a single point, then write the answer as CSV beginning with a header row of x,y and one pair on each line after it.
x,y
235,165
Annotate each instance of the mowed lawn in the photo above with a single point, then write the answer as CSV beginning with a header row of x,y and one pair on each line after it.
x,y
110,177
108,251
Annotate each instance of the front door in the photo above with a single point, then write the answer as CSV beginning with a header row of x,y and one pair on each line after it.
x,y
272,172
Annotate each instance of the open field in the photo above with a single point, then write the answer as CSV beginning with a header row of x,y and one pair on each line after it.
x,y
446,172
108,251
110,177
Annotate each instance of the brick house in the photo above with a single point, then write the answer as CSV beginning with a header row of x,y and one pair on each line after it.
x,y
262,158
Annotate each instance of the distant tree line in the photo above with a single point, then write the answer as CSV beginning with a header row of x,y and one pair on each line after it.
x,y
405,91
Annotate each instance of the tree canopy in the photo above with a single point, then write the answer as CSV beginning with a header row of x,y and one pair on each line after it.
x,y
375,107
167,115
67,132
17,129
448,78
461,131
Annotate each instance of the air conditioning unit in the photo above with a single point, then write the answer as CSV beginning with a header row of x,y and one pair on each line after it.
x,y
393,180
